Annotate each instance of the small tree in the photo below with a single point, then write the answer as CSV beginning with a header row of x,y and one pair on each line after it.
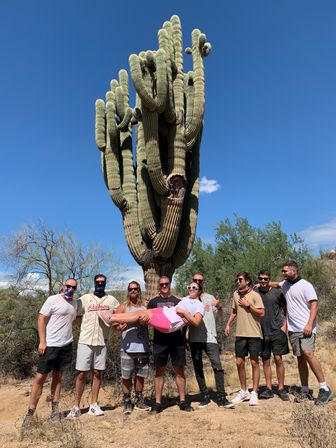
x,y
43,258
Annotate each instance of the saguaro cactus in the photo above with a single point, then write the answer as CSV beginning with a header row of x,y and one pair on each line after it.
x,y
156,186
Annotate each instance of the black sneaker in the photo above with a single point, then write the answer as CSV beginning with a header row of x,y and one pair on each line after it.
x,y
140,404
223,402
205,401
27,421
156,409
283,394
128,406
266,394
303,396
184,406
324,396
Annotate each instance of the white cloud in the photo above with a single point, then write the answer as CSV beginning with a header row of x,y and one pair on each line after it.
x,y
130,273
208,185
323,234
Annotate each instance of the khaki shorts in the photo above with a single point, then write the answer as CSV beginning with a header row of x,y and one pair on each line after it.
x,y
299,342
91,357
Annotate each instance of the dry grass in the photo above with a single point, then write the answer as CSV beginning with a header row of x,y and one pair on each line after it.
x,y
313,426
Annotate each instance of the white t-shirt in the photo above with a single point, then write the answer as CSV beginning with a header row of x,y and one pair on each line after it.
x,y
192,305
298,296
61,313
206,332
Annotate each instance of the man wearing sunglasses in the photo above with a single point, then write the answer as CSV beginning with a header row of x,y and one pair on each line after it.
x,y
204,339
167,345
92,344
55,347
275,334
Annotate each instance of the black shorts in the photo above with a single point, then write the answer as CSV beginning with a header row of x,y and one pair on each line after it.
x,y
162,352
55,358
275,343
245,346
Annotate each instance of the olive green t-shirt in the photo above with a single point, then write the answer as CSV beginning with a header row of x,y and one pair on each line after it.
x,y
248,325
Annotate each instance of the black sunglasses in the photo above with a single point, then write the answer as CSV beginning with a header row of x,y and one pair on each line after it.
x,y
198,280
133,289
71,286
164,284
263,279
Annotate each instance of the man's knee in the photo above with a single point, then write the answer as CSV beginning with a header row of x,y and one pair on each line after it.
x,y
254,361
96,373
179,371
278,360
40,378
240,362
308,354
160,371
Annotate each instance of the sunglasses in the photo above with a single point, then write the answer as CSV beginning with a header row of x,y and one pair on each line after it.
x,y
100,282
164,284
193,288
133,289
198,280
71,286
263,279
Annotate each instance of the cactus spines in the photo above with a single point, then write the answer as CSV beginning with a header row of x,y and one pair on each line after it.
x,y
157,193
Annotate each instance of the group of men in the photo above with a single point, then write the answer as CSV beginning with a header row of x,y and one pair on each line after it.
x,y
264,316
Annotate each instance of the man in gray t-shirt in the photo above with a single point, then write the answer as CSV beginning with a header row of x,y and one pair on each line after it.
x,y
204,339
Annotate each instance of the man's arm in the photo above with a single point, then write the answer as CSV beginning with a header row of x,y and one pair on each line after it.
x,y
233,315
308,329
219,309
41,327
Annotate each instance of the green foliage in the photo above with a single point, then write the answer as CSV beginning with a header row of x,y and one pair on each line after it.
x,y
241,247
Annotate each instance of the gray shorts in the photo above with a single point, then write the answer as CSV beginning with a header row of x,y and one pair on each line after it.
x,y
134,364
91,357
299,342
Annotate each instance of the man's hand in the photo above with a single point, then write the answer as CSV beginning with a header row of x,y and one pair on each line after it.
x,y
120,327
42,348
144,319
227,330
243,302
216,302
308,329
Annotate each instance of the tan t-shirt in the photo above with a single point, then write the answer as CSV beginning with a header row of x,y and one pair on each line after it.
x,y
248,325
93,330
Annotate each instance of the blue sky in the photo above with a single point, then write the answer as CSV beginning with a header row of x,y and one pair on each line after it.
x,y
269,137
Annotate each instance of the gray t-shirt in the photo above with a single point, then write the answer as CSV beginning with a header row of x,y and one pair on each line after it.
x,y
206,332
61,313
135,338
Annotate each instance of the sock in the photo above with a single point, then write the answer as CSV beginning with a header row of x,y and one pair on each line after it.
x,y
304,389
324,386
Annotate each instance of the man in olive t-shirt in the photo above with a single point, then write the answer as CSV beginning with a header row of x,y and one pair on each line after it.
x,y
248,308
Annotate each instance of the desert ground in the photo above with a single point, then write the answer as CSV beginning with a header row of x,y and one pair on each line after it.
x,y
272,423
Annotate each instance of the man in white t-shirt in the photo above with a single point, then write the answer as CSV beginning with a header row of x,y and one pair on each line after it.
x,y
302,306
55,346
92,344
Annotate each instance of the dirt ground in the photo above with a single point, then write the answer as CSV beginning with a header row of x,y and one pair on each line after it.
x,y
265,425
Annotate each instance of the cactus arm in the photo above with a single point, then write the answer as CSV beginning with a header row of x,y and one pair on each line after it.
x,y
100,125
139,84
166,42
178,81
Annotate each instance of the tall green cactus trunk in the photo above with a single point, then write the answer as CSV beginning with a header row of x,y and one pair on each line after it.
x,y
156,186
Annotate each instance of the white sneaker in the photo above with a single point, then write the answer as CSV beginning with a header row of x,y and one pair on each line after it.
x,y
241,396
95,410
75,412
254,401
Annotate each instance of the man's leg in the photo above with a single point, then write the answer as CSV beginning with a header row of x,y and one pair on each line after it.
x,y
139,384
212,350
95,387
79,387
267,372
280,371
37,387
314,364
255,373
197,359
180,381
56,384
240,363
159,383
303,370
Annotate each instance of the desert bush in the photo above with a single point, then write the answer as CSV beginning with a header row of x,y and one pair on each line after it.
x,y
313,426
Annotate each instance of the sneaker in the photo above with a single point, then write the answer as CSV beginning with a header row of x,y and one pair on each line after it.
x,y
128,406
55,415
254,401
184,406
266,394
27,421
156,409
283,394
223,402
205,401
241,396
75,412
302,396
105,317
95,410
324,396
140,404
